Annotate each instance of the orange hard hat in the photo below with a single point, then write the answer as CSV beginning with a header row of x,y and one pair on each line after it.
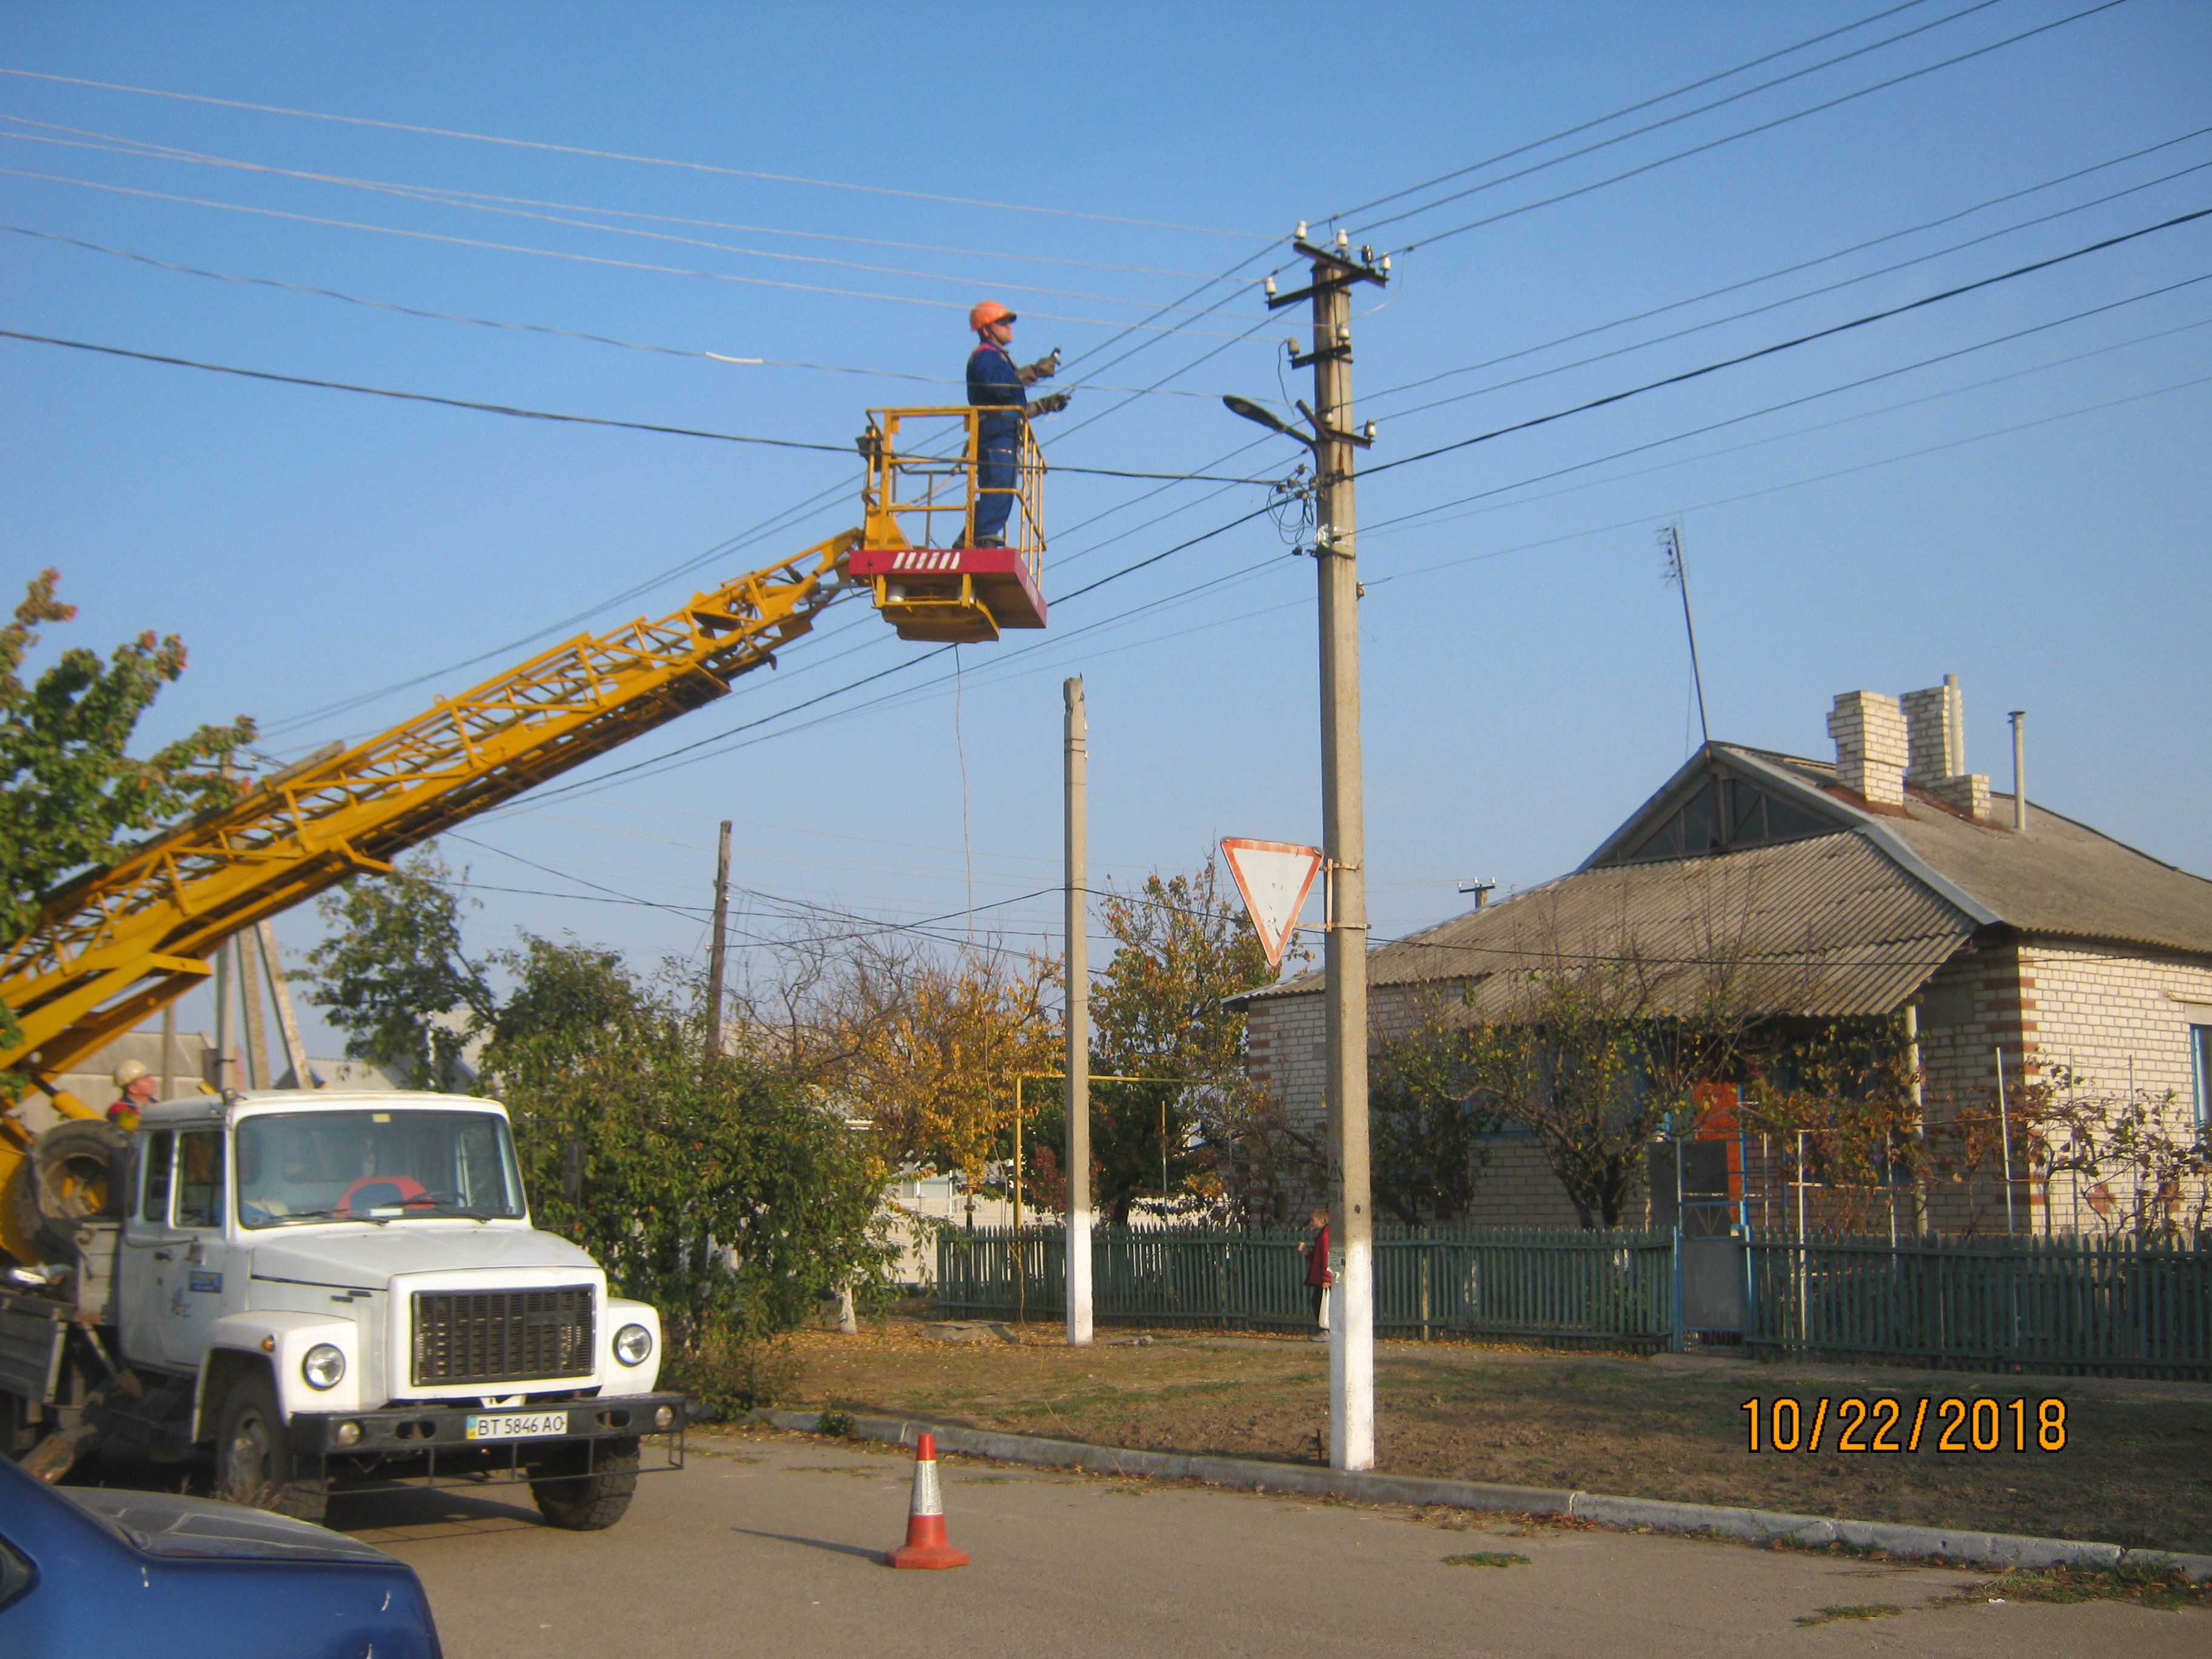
x,y
986,313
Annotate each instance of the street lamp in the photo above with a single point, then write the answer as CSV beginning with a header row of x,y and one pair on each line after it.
x,y
1262,416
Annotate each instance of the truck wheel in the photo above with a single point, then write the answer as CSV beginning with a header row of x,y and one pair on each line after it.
x,y
587,1503
253,1465
73,1175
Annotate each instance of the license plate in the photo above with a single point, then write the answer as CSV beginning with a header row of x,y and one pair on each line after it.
x,y
518,1425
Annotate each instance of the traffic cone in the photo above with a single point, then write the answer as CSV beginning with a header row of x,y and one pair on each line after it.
x,y
925,1546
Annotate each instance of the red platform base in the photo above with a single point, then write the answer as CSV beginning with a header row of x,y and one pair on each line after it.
x,y
936,592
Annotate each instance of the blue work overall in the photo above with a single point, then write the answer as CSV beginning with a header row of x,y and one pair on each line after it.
x,y
994,383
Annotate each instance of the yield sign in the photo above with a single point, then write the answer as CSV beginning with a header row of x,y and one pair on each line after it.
x,y
1274,877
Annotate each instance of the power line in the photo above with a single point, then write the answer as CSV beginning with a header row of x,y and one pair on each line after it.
x,y
621,156
1795,299
1819,426
1627,109
439,192
418,396
144,151
1664,121
1827,392
522,328
557,254
1915,454
722,739
1792,344
729,545
658,761
716,743
1790,270
774,900
541,414
1746,132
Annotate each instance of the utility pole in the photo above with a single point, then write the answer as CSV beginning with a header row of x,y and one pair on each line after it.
x,y
1344,952
225,1077
288,1019
257,1033
717,945
1078,1024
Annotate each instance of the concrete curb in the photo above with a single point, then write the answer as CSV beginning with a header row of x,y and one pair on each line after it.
x,y
1991,1549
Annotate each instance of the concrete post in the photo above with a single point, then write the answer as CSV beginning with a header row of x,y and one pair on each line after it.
x,y
1352,1345
1078,1024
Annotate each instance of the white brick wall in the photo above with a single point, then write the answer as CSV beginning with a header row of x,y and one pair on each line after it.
x,y
1871,746
1935,734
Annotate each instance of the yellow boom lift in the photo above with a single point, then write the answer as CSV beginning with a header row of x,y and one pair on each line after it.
x,y
112,946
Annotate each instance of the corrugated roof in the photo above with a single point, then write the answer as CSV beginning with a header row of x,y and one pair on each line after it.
x,y
2062,878
1827,927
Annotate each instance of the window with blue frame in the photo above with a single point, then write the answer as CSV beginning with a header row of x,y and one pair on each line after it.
x,y
2200,1050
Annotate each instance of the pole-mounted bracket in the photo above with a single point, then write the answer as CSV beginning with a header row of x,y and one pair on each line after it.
x,y
1363,440
1334,270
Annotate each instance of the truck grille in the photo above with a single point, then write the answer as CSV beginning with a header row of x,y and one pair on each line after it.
x,y
502,1336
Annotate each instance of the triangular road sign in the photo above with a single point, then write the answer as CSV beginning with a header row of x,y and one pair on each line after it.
x,y
1274,877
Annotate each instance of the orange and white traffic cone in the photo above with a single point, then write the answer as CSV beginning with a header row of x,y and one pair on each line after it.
x,y
925,1546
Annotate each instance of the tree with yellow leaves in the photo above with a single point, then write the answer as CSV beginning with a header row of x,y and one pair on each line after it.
x,y
932,1046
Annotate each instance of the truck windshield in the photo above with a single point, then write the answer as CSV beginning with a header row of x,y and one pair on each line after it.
x,y
376,1166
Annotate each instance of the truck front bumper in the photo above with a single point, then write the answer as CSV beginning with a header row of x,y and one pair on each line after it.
x,y
449,1433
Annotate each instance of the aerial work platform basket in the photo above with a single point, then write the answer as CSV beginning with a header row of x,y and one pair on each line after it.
x,y
918,549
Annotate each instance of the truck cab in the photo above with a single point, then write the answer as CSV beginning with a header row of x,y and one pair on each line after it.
x,y
321,1285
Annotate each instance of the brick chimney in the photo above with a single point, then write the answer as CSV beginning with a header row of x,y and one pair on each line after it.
x,y
1936,743
1871,747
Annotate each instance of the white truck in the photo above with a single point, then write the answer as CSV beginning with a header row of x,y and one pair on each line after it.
x,y
322,1288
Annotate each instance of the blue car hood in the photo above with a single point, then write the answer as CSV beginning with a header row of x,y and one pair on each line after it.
x,y
164,1524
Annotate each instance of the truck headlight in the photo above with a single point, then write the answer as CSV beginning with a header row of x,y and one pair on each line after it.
x,y
633,1344
323,1366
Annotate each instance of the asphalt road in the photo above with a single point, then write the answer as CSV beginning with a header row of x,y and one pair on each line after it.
x,y
771,1545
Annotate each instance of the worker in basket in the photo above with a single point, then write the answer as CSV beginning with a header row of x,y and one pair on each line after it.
x,y
996,382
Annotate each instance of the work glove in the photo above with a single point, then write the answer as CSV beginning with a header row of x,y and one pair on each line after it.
x,y
1043,370
1051,404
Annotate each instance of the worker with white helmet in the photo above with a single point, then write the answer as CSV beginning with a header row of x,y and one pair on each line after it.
x,y
996,382
136,1088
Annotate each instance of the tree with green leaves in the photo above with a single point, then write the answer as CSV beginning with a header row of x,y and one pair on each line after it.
x,y
734,1200
70,795
1183,946
391,972
1428,1113
730,1193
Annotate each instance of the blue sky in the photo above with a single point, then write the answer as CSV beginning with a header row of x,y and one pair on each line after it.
x,y
2026,512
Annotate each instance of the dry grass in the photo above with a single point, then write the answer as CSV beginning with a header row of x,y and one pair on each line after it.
x,y
2136,1470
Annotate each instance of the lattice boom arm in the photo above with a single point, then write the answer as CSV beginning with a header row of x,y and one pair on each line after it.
x,y
113,946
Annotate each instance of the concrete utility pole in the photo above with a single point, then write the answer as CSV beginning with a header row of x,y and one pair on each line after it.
x,y
717,946
226,1076
288,1019
1078,1025
257,1033
1334,444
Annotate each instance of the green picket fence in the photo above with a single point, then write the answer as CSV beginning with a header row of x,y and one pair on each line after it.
x,y
2071,1306
1537,1284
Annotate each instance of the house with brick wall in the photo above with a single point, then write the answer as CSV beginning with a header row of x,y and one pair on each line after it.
x,y
1886,881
